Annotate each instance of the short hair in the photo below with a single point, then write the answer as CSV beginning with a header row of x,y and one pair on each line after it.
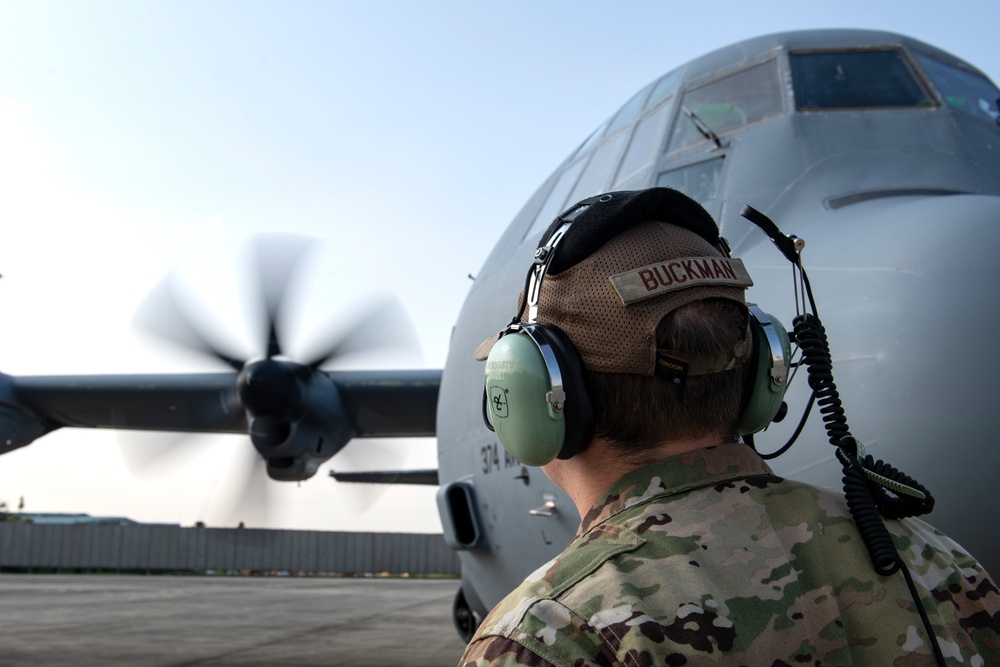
x,y
636,413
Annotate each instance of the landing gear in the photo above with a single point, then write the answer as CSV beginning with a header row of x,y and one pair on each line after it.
x,y
466,620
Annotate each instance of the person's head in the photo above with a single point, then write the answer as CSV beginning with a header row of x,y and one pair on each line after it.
x,y
638,413
654,310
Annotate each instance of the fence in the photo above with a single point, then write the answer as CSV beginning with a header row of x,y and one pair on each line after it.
x,y
175,549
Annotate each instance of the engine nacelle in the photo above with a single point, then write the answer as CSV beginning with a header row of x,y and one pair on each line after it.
x,y
18,425
294,447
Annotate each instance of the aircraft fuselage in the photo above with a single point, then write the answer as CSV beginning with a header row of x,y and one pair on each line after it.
x,y
883,154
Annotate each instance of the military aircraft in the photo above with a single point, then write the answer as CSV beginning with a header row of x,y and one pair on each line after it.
x,y
881,152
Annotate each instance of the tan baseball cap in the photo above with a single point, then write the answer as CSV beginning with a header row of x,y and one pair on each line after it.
x,y
611,302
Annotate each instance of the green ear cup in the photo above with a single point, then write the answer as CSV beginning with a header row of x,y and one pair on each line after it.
x,y
517,383
773,352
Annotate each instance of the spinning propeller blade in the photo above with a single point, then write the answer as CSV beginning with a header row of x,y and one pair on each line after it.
x,y
295,414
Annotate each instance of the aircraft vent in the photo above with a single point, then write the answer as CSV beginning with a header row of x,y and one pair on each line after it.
x,y
459,515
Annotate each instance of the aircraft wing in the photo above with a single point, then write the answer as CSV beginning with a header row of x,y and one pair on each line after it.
x,y
300,424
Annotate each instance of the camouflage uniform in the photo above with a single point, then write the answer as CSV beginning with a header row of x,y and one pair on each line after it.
x,y
709,558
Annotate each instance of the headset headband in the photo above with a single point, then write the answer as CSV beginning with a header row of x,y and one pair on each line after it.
x,y
545,253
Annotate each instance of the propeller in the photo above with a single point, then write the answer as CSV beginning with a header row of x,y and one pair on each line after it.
x,y
295,414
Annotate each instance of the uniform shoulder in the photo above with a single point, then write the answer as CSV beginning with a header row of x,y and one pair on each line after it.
x,y
581,558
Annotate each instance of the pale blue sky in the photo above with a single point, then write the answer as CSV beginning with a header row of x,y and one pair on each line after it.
x,y
140,136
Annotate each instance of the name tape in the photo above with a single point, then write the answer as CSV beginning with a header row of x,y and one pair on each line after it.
x,y
677,274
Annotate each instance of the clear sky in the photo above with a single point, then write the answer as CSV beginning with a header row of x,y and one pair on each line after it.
x,y
136,137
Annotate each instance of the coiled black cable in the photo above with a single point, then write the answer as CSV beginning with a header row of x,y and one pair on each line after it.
x,y
866,493
903,505
865,480
811,338
863,509
867,499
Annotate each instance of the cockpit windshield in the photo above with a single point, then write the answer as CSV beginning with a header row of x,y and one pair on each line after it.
x,y
960,88
855,80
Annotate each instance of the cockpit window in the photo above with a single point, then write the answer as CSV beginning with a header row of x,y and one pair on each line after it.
x,y
855,80
554,203
961,89
664,88
592,140
628,112
644,147
698,181
728,104
598,174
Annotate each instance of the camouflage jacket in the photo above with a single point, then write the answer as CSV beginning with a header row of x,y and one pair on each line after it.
x,y
708,558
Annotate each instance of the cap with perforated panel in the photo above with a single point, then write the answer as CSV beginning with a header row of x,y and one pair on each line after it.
x,y
610,302
615,337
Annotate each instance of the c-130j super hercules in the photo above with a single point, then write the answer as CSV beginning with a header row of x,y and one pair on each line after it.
x,y
881,152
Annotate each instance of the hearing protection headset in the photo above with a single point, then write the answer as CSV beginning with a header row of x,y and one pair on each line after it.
x,y
535,398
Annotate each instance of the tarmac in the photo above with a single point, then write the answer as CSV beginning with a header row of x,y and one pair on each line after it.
x,y
175,621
